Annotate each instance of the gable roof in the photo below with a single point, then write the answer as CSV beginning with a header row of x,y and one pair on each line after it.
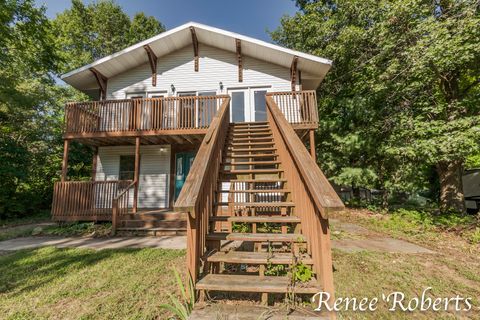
x,y
313,68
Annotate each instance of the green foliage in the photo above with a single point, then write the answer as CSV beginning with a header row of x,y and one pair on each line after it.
x,y
301,272
80,229
85,33
475,236
31,103
414,222
473,162
183,307
241,227
275,270
403,95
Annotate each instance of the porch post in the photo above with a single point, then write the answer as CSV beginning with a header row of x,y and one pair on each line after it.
x,y
66,145
312,145
94,163
136,174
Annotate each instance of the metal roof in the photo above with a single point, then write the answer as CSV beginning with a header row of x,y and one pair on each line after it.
x,y
313,68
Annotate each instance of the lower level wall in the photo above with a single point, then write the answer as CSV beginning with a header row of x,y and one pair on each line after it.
x,y
154,177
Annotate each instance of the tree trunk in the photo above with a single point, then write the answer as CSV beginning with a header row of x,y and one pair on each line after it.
x,y
451,190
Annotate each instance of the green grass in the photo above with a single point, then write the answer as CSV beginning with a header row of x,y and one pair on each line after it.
x,y
75,229
53,283
43,215
419,224
369,274
79,229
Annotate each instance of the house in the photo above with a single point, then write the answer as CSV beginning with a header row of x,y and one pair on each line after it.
x,y
211,125
471,190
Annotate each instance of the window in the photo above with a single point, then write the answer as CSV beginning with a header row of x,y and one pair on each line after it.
x,y
127,168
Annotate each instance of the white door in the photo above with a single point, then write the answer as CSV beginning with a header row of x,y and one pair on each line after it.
x,y
247,105
239,105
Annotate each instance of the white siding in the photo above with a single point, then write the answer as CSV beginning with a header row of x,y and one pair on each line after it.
x,y
154,171
215,65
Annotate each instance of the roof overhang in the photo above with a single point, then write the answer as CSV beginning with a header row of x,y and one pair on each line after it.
x,y
313,68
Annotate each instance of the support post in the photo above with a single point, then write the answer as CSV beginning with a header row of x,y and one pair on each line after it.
x,y
312,145
94,163
136,174
66,146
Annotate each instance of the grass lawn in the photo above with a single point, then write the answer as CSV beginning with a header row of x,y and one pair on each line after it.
x,y
53,283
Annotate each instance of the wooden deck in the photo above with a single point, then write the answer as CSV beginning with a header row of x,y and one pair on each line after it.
x,y
169,120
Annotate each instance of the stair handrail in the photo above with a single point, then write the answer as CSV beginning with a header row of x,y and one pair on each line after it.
x,y
116,207
313,195
320,189
197,195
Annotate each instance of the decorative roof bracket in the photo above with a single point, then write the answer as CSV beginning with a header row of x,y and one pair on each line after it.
x,y
152,59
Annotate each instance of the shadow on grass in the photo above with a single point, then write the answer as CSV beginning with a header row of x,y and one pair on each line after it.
x,y
27,270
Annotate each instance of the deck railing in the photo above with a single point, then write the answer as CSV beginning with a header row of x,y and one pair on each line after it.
x,y
198,193
299,107
174,113
146,114
120,205
86,200
312,193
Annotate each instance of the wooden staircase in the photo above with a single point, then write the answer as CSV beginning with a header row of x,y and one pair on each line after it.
x,y
254,210
162,222
257,209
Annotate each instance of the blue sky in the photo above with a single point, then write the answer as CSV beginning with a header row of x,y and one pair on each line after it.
x,y
248,17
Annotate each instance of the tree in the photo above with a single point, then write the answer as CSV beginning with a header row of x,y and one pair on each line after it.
x,y
144,27
85,33
27,59
404,89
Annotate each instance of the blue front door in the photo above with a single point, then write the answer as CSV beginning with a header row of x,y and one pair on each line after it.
x,y
183,162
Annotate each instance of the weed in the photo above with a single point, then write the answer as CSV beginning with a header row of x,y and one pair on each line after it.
x,y
241,227
182,308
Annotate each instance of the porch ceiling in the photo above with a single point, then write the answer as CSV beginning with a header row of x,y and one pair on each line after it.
x,y
313,68
177,139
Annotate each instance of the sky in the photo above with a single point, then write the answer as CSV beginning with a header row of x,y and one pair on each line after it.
x,y
248,17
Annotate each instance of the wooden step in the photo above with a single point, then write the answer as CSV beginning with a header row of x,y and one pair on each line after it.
x,y
247,257
153,223
253,171
244,283
257,237
155,215
253,155
243,123
250,139
249,130
249,150
257,219
156,232
233,135
258,204
244,144
248,163
256,191
259,180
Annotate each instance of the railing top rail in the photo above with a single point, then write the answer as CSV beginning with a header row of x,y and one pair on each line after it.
x,y
323,195
95,182
187,200
148,99
286,93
